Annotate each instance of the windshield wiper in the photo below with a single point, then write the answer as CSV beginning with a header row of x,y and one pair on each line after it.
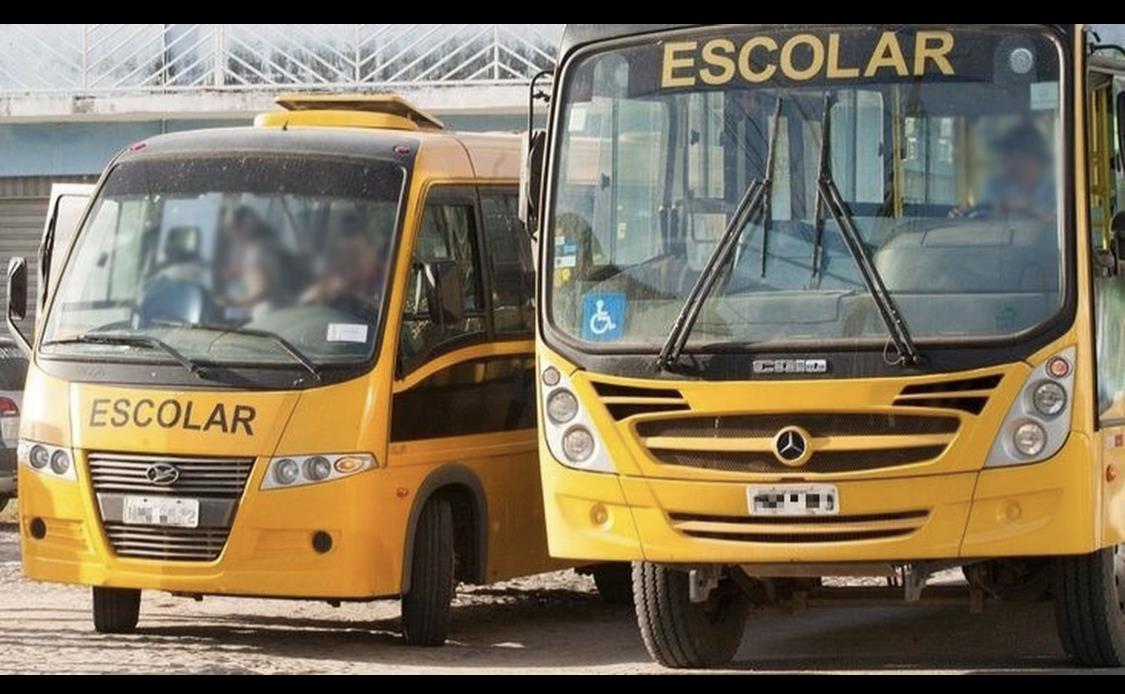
x,y
754,198
830,199
136,340
286,346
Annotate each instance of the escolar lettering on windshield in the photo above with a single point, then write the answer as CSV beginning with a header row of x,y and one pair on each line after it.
x,y
171,414
804,57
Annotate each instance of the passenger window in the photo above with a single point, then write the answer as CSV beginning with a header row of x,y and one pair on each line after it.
x,y
511,265
448,232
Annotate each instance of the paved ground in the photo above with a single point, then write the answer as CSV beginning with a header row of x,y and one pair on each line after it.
x,y
551,623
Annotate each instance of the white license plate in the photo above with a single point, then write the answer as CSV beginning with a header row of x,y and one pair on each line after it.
x,y
158,510
793,500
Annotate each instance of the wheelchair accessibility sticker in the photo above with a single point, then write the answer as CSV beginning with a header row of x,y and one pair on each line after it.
x,y
603,317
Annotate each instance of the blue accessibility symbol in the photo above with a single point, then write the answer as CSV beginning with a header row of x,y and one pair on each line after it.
x,y
603,317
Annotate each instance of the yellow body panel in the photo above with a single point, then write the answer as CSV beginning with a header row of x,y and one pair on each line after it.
x,y
368,515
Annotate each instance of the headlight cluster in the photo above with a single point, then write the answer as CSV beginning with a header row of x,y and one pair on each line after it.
x,y
46,459
569,431
296,470
1039,420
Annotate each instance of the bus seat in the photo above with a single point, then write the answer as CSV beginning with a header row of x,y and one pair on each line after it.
x,y
179,301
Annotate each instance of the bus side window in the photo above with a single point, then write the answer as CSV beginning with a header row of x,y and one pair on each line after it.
x,y
448,232
510,262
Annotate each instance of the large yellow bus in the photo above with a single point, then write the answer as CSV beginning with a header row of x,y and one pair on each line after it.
x,y
290,360
834,301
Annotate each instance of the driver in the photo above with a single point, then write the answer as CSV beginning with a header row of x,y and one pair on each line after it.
x,y
1024,183
354,268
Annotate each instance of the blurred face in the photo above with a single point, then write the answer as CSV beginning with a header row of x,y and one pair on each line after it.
x,y
1025,169
353,260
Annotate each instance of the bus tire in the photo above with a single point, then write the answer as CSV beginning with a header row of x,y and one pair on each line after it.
x,y
615,582
116,610
679,633
426,606
1089,594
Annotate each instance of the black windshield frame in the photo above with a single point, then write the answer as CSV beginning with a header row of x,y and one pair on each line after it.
x,y
99,368
864,354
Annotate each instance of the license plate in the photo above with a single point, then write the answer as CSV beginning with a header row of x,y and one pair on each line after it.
x,y
157,510
793,500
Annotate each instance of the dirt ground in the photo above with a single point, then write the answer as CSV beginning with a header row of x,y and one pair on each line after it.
x,y
553,623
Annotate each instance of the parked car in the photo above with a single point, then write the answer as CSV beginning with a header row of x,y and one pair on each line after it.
x,y
13,370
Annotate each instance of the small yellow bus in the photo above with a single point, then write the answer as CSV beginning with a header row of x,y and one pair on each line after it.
x,y
290,360
835,300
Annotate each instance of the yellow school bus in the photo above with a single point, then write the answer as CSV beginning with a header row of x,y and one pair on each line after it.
x,y
834,301
290,360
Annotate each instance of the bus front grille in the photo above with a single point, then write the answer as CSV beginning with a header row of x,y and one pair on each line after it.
x,y
840,442
799,529
216,483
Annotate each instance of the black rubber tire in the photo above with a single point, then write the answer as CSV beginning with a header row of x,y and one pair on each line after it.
x,y
116,610
1089,594
679,633
614,582
426,607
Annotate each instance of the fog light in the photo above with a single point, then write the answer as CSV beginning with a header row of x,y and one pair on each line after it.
x,y
598,514
1029,439
317,468
562,406
39,457
37,528
578,444
321,541
60,462
286,471
551,376
1049,398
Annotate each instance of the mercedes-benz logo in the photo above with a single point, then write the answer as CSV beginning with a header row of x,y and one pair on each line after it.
x,y
791,446
162,474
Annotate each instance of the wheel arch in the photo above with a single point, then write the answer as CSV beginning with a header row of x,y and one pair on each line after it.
x,y
462,485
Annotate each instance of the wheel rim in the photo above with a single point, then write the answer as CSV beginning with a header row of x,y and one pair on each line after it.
x,y
1119,575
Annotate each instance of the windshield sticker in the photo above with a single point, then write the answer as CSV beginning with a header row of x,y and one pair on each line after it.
x,y
603,316
347,332
577,121
1044,96
566,252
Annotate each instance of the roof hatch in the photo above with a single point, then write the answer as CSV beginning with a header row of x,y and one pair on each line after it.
x,y
386,111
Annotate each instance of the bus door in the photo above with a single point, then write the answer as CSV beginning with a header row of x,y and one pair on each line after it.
x,y
1106,183
463,400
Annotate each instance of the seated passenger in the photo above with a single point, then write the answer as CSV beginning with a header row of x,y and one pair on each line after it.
x,y
354,269
254,276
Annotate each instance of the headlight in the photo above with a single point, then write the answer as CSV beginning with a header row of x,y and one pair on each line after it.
x,y
318,468
1037,424
39,456
47,460
551,377
1049,398
578,444
562,406
297,470
286,471
60,462
1030,439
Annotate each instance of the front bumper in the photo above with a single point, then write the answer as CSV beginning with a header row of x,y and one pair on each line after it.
x,y
269,551
1042,509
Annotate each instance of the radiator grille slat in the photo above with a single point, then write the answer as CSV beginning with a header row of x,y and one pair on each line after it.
x,y
799,529
219,479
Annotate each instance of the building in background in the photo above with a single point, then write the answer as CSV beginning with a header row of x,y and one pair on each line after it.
x,y
72,95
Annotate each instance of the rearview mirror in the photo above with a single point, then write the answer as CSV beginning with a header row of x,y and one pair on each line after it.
x,y
531,178
17,301
444,300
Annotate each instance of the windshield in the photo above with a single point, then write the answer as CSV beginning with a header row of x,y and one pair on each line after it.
x,y
217,257
944,145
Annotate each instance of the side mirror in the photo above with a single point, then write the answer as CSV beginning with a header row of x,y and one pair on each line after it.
x,y
531,178
444,300
17,301
1119,113
1117,226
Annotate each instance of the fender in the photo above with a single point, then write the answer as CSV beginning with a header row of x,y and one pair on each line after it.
x,y
458,476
